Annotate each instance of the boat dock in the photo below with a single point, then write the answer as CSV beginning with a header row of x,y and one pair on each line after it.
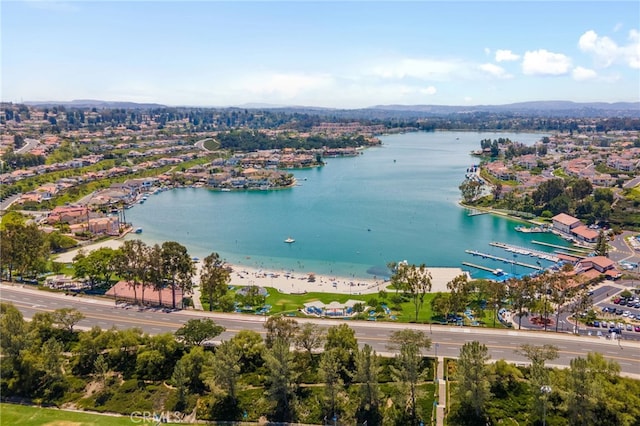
x,y
476,212
526,251
473,265
583,251
502,259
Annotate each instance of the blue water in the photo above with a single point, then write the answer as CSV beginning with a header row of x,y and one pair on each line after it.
x,y
350,217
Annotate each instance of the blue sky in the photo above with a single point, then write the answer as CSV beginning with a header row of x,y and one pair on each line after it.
x,y
347,54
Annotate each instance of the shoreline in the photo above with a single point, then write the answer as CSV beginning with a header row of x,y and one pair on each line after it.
x,y
289,282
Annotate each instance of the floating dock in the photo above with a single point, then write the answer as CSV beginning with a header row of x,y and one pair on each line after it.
x,y
504,260
473,265
526,251
578,250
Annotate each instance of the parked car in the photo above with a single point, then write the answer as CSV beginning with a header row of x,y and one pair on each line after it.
x,y
596,323
637,328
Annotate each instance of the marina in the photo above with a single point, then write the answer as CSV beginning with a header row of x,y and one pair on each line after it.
x,y
503,259
526,251
583,251
379,214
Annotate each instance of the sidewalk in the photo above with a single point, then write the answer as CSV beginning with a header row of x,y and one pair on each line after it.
x,y
441,382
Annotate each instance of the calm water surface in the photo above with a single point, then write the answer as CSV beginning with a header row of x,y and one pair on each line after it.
x,y
349,218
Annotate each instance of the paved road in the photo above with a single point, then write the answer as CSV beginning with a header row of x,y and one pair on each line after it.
x,y
447,339
29,144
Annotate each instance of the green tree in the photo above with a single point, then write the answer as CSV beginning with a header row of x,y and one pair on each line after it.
x,y
310,336
367,375
281,378
441,305
495,292
408,369
194,364
280,328
520,293
24,249
67,318
472,376
538,373
581,188
602,245
460,290
329,372
178,267
131,264
225,369
214,278
95,265
196,331
251,347
470,190
414,280
342,339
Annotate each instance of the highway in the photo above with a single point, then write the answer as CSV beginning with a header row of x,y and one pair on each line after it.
x,y
447,340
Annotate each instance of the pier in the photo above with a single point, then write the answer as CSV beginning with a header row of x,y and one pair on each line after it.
x,y
583,251
502,259
476,212
526,251
484,268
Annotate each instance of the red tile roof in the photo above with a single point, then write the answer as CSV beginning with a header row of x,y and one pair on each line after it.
x,y
565,219
123,290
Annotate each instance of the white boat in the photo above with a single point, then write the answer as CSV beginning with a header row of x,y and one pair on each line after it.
x,y
289,240
498,272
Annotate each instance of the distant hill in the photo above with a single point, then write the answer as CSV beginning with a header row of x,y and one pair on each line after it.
x,y
92,103
555,107
534,108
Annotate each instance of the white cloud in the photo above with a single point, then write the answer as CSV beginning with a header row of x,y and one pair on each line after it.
x,y
495,71
506,55
431,90
582,74
543,62
604,49
606,52
632,51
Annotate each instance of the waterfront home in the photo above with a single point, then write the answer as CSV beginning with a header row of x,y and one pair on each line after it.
x,y
68,214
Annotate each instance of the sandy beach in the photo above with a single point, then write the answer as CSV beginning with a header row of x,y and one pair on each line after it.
x,y
293,283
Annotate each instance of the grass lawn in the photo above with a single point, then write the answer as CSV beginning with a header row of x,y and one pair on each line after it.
x,y
11,414
283,303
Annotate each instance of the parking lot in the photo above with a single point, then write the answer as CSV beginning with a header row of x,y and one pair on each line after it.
x,y
615,314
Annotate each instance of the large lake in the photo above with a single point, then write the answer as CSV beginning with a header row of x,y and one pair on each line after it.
x,y
350,217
